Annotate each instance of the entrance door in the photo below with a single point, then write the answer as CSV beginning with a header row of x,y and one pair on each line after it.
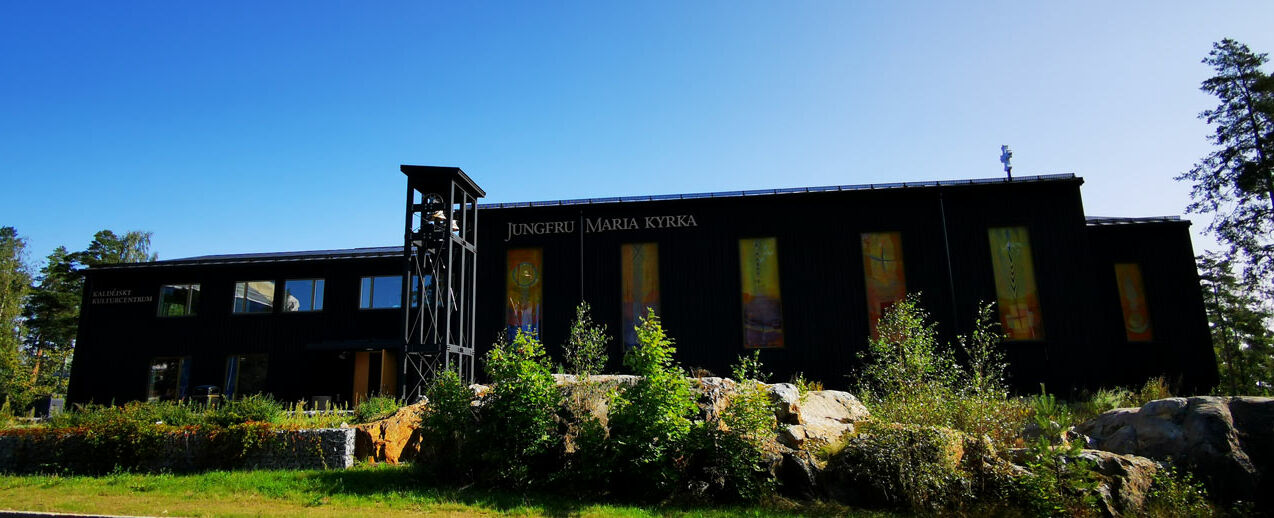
x,y
375,374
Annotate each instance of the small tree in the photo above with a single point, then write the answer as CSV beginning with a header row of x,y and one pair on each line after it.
x,y
585,350
985,362
905,355
651,419
517,419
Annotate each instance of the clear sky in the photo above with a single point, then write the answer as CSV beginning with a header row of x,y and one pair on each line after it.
x,y
271,126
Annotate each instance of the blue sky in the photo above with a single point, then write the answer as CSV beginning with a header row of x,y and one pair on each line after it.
x,y
228,128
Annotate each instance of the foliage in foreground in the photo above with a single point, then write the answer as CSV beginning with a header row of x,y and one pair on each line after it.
x,y
585,349
909,377
639,441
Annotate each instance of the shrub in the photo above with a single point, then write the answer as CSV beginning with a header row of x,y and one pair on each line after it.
x,y
376,408
517,419
585,350
1152,389
985,365
804,386
446,426
1177,493
1101,401
905,355
904,465
909,378
728,454
1061,482
651,420
255,408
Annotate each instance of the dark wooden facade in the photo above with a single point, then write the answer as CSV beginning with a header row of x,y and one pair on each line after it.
x,y
946,252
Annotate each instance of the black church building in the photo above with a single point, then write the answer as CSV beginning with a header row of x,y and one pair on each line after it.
x,y
798,274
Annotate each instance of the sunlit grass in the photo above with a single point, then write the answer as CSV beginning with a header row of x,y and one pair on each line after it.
x,y
363,491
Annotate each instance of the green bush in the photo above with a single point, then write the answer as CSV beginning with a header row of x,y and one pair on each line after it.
x,y
517,419
727,454
585,350
650,421
909,378
915,467
255,408
905,355
446,426
376,408
1060,482
1176,493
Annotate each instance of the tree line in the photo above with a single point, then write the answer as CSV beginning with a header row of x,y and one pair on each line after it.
x,y
40,309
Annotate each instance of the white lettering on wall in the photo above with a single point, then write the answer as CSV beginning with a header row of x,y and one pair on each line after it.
x,y
596,225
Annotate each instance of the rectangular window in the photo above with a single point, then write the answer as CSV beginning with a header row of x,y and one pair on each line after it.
x,y
1014,269
245,374
303,295
1132,299
640,290
524,290
762,303
381,292
883,273
178,300
168,378
254,297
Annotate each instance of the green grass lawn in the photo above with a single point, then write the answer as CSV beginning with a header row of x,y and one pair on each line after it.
x,y
363,491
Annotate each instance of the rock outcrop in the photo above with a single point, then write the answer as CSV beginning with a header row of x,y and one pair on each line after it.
x,y
1227,442
393,439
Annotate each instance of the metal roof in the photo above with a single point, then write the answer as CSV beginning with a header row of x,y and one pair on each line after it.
x,y
1094,221
269,257
792,190
395,251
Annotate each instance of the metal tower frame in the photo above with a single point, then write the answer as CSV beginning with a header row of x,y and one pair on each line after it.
x,y
440,252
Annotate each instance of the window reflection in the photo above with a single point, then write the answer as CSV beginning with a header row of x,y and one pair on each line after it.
x,y
254,297
177,300
303,295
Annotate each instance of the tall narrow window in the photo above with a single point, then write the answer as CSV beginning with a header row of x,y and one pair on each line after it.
x,y
883,273
1132,299
1018,299
303,295
762,303
245,375
524,289
178,300
168,379
640,290
254,297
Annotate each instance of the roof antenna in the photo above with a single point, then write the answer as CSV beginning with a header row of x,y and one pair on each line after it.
x,y
1006,156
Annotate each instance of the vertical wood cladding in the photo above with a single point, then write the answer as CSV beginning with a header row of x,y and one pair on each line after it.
x,y
944,238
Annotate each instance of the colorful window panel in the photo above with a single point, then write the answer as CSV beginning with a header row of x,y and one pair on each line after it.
x,y
525,290
762,304
883,273
1132,299
640,290
1018,298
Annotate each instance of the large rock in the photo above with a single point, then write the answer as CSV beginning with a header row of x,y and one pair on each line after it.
x,y
1228,442
817,419
393,439
1124,481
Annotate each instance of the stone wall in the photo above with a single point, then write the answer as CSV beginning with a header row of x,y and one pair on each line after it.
x,y
184,452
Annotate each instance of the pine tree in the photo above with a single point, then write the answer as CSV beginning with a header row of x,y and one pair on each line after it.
x,y
1235,182
1240,320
